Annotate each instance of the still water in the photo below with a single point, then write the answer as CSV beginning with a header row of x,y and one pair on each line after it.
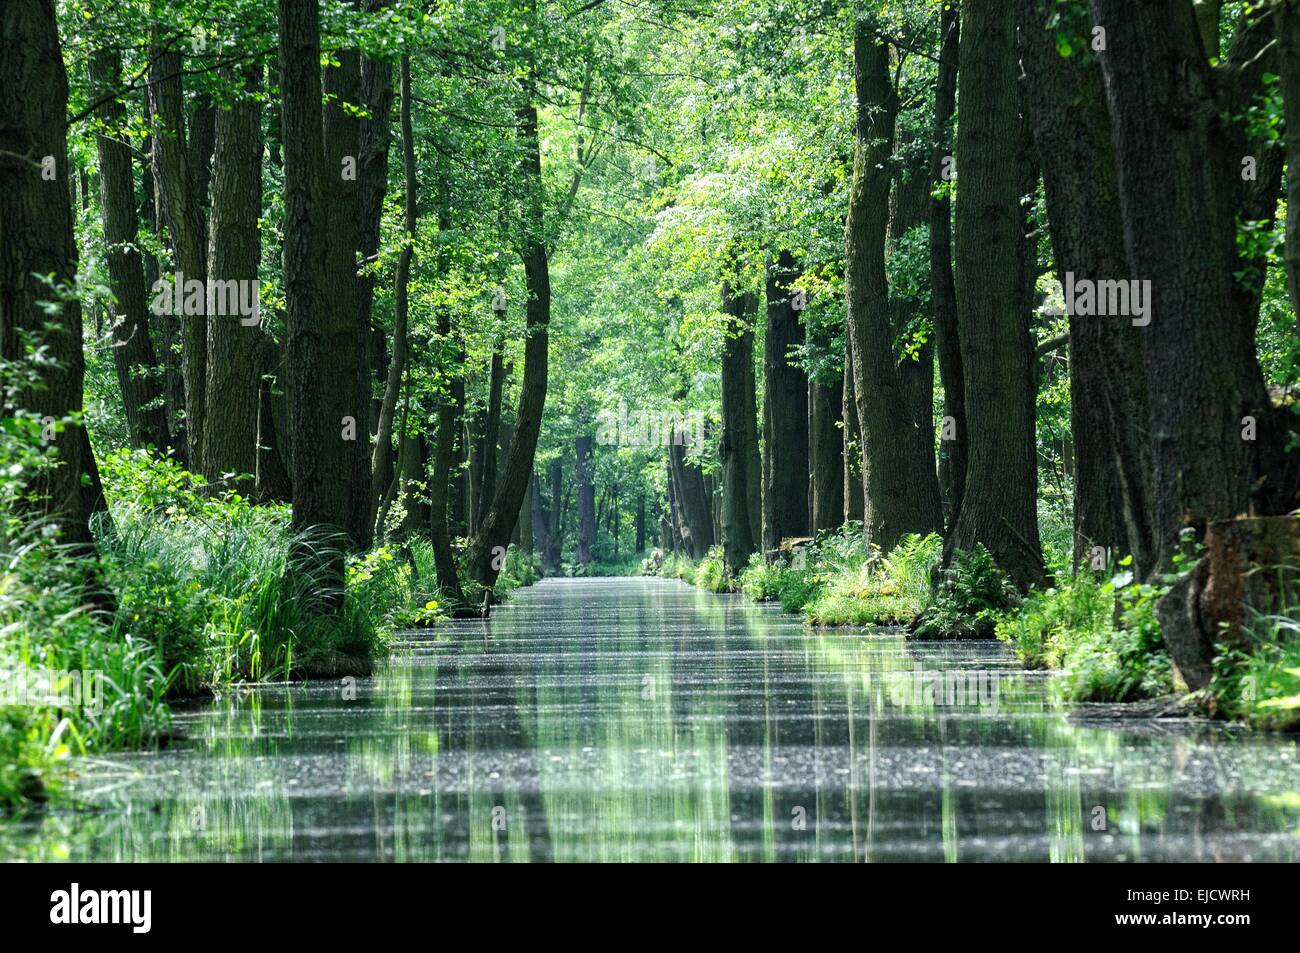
x,y
640,719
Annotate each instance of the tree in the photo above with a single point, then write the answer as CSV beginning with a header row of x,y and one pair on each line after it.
x,y
953,453
785,410
39,307
740,536
1108,399
999,504
322,461
902,490
233,385
1217,449
182,211
133,352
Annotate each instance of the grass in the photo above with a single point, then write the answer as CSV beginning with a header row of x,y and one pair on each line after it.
x,y
191,592
1101,635
860,589
1258,681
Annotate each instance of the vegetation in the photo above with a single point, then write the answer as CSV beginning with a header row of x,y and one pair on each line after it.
x,y
324,318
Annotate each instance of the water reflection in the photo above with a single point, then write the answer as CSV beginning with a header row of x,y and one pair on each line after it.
x,y
640,719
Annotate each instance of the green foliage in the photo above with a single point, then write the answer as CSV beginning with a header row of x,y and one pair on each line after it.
x,y
971,595
779,582
190,593
711,573
1073,627
861,590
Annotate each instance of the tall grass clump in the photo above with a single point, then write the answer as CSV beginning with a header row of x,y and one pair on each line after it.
x,y
669,566
1258,679
861,589
220,588
1103,636
711,572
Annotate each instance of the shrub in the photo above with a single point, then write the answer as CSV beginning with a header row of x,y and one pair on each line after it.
x,y
1073,627
971,595
711,573
859,590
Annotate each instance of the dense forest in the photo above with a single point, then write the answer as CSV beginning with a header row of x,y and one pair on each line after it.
x,y
322,320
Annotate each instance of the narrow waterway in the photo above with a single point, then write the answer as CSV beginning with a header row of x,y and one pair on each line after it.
x,y
640,719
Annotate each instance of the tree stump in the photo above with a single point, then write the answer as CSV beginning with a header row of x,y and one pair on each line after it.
x,y
1251,565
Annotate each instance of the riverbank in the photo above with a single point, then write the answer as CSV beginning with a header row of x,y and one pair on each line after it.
x,y
191,594
1097,632
639,719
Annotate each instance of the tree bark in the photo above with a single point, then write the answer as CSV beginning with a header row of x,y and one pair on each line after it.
x,y
953,440
854,495
232,389
739,429
785,411
901,486
133,353
185,225
1109,405
999,505
342,88
322,459
1288,36
485,480
36,238
401,295
582,447
826,449
691,495
1179,142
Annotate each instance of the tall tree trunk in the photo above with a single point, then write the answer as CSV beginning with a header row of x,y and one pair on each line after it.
x,y
492,536
133,353
854,495
186,228
233,385
36,238
739,539
1109,406
374,141
582,447
999,505
826,451
953,441
555,524
902,489
382,460
488,438
691,495
785,411
274,443
525,541
640,520
322,459
342,174
1179,141
440,479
